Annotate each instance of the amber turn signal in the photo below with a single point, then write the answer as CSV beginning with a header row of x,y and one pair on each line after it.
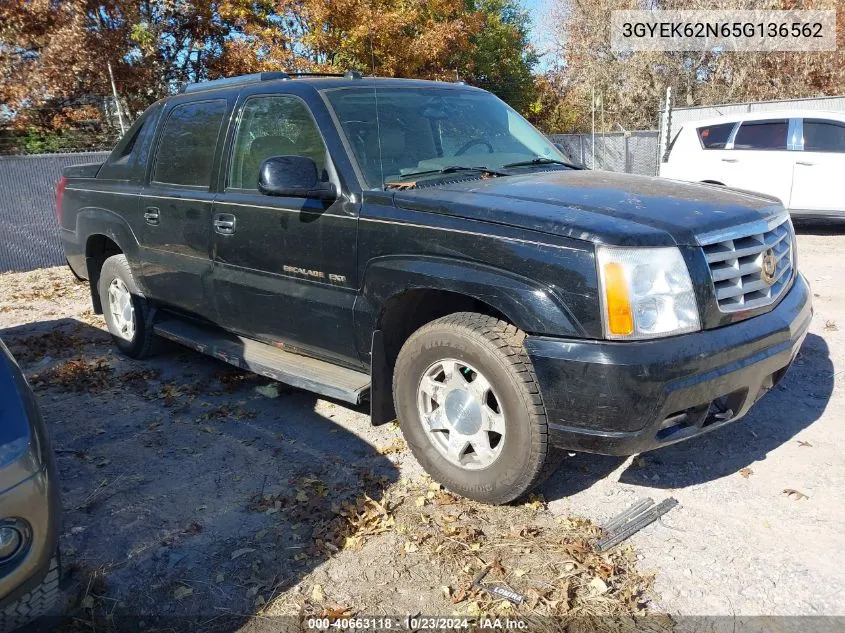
x,y
620,320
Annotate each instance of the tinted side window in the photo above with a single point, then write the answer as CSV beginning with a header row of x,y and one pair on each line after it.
x,y
762,135
188,141
276,125
123,161
715,136
824,136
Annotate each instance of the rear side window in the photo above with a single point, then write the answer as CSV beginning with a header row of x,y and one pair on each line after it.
x,y
269,126
188,142
824,136
715,136
125,162
762,135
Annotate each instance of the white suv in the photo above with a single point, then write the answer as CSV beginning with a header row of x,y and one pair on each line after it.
x,y
796,156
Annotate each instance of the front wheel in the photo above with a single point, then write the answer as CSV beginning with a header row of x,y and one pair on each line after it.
x,y
40,602
470,408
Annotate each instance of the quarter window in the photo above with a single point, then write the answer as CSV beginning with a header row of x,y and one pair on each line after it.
x,y
762,135
121,164
714,136
188,142
824,136
269,126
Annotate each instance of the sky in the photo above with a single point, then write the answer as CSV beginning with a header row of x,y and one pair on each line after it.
x,y
539,35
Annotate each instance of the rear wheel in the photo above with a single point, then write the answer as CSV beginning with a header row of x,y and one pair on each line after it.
x,y
470,408
128,314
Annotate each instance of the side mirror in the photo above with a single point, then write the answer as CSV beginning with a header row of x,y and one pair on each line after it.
x,y
294,177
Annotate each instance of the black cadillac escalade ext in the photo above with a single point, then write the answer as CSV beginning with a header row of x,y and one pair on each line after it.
x,y
419,244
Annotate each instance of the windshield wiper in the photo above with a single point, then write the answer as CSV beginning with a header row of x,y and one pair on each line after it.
x,y
451,169
540,160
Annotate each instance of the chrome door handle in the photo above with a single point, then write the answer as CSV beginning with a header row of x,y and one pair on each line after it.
x,y
804,162
224,223
730,160
152,216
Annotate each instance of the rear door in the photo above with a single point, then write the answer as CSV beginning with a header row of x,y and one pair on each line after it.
x,y
175,226
818,177
285,267
714,161
759,158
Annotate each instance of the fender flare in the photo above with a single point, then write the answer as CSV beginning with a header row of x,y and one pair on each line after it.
x,y
531,306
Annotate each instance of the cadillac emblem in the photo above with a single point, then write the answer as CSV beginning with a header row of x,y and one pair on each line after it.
x,y
769,266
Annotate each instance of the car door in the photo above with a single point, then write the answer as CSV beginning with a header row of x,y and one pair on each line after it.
x,y
760,159
817,180
175,225
284,267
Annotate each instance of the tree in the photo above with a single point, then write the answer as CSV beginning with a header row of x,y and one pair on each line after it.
x,y
633,85
53,53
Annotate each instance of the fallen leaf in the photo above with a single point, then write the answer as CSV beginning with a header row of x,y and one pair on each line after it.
x,y
746,472
240,552
317,594
410,547
268,391
599,586
519,573
420,502
796,495
182,591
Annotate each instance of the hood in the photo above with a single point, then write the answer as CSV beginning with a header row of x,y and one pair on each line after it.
x,y
601,207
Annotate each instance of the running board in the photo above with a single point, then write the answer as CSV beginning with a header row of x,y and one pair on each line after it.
x,y
300,371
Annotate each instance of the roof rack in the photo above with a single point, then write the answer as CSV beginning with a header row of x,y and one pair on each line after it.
x,y
240,80
235,81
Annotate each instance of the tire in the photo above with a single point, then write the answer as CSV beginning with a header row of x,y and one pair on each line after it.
x,y
139,342
487,351
42,601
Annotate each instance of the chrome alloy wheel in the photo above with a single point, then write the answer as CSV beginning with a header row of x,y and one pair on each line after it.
x,y
122,310
461,414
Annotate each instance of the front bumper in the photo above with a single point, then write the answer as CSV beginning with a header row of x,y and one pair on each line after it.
x,y
33,503
625,398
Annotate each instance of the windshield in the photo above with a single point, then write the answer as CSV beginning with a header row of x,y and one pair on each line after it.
x,y
398,132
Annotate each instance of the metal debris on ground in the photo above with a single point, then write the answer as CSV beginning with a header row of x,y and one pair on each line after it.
x,y
497,590
632,520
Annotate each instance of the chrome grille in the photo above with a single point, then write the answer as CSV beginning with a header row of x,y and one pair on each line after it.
x,y
751,265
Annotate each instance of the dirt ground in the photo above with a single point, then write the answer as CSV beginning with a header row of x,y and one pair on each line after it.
x,y
198,496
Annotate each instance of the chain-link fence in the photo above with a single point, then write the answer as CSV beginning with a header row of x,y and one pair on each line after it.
x,y
29,236
630,152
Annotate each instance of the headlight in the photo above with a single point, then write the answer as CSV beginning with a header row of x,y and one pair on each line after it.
x,y
645,293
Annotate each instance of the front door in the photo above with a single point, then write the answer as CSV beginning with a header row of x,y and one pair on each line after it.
x,y
284,268
817,179
760,160
175,224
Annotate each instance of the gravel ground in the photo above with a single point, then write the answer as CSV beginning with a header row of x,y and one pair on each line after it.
x,y
166,467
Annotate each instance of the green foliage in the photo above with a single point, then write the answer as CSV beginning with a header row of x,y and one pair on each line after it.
x,y
502,59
